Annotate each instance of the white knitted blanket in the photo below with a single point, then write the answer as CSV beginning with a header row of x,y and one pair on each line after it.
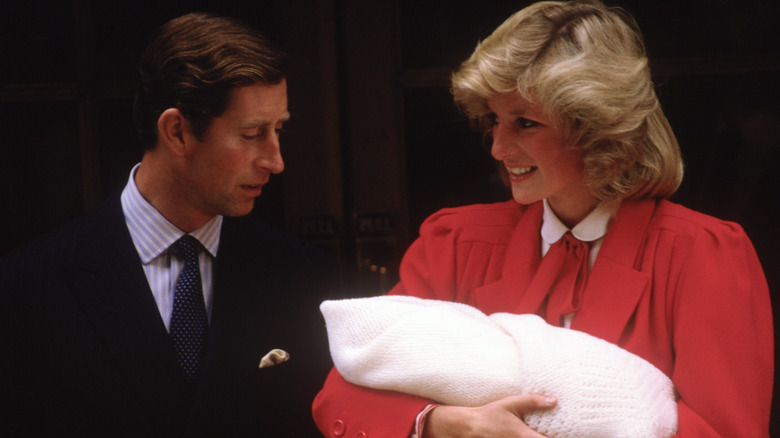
x,y
454,354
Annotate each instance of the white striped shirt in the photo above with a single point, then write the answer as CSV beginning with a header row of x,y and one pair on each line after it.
x,y
153,235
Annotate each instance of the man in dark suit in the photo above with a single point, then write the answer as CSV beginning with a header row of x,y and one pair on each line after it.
x,y
110,328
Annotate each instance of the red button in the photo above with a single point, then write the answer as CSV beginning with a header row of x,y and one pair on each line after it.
x,y
339,428
361,435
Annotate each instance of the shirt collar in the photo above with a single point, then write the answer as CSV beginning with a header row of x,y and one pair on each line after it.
x,y
152,234
592,228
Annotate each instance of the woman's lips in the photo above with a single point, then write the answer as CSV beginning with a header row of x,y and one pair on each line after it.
x,y
518,172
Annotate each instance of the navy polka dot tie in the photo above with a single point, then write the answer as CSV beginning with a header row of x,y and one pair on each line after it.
x,y
189,322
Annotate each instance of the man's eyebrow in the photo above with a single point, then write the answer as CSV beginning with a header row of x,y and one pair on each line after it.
x,y
261,122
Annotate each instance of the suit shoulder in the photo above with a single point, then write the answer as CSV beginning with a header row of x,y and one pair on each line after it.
x,y
700,235
251,234
475,222
496,214
683,220
62,246
250,248
44,253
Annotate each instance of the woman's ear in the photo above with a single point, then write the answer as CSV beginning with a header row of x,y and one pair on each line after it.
x,y
171,131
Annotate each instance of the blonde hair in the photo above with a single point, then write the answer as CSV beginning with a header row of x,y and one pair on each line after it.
x,y
585,64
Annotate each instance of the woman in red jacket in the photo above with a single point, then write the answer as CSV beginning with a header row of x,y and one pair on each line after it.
x,y
564,91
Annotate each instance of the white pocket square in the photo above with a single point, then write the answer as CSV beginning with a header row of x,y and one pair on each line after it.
x,y
274,357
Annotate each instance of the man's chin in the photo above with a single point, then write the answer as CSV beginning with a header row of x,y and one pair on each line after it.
x,y
241,209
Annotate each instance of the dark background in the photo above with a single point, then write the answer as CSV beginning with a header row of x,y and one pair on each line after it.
x,y
375,144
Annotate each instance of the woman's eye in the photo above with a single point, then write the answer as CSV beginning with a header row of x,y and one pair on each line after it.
x,y
524,123
486,122
489,121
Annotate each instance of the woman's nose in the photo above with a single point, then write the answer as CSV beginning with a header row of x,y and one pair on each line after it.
x,y
502,146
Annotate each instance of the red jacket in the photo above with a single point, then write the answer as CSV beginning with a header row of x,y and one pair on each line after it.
x,y
681,289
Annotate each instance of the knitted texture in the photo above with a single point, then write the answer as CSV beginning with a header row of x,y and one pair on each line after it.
x,y
454,354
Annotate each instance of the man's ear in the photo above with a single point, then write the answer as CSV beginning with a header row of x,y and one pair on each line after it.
x,y
172,129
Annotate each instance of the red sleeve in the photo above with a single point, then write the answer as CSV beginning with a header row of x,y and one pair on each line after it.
x,y
342,409
723,338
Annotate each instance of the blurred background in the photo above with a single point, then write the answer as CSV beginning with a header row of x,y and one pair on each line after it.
x,y
374,144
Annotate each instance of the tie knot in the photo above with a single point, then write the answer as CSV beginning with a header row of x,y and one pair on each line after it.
x,y
572,243
567,238
188,247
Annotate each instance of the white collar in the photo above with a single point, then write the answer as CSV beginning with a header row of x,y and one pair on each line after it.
x,y
152,234
592,228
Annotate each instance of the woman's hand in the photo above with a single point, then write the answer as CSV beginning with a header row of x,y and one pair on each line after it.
x,y
499,419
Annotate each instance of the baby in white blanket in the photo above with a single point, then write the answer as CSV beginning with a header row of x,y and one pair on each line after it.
x,y
454,354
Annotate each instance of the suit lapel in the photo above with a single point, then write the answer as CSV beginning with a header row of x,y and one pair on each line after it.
x,y
614,285
237,295
109,281
522,260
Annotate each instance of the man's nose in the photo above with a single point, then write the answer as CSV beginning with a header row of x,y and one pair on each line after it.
x,y
271,157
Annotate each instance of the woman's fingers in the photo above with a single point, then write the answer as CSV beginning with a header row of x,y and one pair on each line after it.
x,y
500,419
524,404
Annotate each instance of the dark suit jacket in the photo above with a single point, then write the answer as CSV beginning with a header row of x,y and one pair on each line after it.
x,y
84,352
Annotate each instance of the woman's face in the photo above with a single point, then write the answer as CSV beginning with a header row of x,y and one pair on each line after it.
x,y
538,162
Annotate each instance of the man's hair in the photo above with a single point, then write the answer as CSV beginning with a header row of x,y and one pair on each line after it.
x,y
193,63
585,64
